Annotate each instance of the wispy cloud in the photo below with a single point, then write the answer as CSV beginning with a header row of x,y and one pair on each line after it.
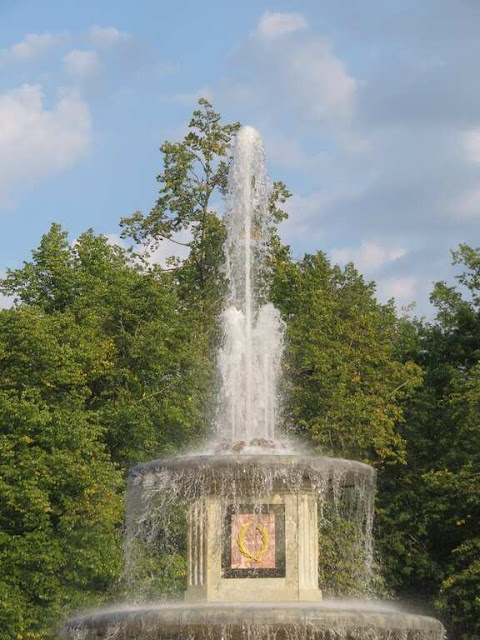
x,y
82,64
274,24
189,98
107,36
368,257
302,75
47,116
36,141
471,145
468,205
34,46
402,289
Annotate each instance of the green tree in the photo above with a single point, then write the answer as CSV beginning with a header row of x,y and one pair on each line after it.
x,y
61,503
344,387
193,183
344,380
195,172
143,392
430,510
99,368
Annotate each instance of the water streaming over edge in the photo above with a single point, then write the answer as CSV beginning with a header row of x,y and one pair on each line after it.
x,y
330,620
161,491
249,361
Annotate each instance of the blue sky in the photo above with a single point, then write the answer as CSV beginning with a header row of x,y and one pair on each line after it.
x,y
370,112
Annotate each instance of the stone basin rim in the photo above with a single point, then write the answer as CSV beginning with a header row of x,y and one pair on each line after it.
x,y
325,615
252,461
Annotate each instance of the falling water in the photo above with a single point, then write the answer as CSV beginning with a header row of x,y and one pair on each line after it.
x,y
160,490
250,366
250,357
163,495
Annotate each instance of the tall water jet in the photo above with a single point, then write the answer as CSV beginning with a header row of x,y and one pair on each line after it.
x,y
245,514
250,358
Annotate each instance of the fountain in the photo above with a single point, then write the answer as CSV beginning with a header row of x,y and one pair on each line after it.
x,y
253,502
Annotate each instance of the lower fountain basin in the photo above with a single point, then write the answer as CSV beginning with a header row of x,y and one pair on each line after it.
x,y
326,620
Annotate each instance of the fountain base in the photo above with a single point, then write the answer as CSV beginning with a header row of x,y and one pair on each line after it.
x,y
327,620
252,519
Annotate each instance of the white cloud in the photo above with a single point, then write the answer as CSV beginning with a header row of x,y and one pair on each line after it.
x,y
168,249
321,80
368,257
35,46
192,98
36,142
82,64
402,289
288,152
468,206
300,76
274,24
304,216
471,145
107,36
6,301
32,47
353,143
310,216
114,240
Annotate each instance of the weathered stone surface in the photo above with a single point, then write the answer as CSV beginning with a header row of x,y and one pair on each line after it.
x,y
215,468
224,493
327,620
291,572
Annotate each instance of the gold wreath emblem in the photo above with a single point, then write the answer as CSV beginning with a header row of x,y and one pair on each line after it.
x,y
256,557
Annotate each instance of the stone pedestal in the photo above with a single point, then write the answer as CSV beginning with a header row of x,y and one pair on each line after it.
x,y
257,550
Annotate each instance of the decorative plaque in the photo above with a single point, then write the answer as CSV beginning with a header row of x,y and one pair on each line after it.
x,y
254,544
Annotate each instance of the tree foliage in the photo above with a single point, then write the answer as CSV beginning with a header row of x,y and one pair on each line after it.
x,y
430,509
344,381
141,389
106,359
61,501
98,367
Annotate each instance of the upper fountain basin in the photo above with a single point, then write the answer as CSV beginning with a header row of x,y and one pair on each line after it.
x,y
237,465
